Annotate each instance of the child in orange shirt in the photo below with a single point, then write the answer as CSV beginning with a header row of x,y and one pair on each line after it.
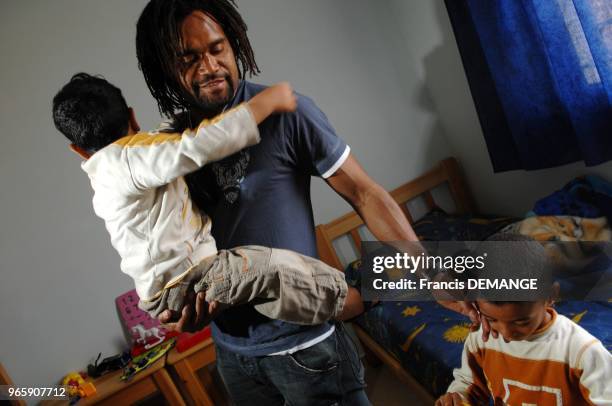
x,y
539,358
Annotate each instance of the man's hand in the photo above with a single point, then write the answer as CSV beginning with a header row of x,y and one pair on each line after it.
x,y
470,310
353,305
196,314
467,308
451,399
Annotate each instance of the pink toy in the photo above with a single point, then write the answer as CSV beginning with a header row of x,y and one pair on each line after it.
x,y
140,328
143,332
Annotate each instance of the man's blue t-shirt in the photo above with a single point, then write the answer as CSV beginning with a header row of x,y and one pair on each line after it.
x,y
261,196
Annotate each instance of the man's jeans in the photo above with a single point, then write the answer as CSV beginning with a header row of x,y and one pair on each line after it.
x,y
328,373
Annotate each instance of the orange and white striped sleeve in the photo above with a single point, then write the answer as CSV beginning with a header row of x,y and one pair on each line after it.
x,y
470,380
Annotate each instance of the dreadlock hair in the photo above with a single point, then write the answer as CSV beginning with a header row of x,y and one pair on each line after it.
x,y
158,43
90,112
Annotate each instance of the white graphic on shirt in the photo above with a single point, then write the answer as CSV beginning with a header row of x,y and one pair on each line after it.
x,y
520,386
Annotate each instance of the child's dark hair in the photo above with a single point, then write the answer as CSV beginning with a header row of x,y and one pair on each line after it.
x,y
518,257
90,112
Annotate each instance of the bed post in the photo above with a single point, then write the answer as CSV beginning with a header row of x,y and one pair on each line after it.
x,y
326,250
458,186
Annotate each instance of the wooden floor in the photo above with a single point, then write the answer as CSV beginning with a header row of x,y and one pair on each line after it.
x,y
384,389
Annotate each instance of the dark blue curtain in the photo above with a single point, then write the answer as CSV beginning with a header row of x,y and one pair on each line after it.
x,y
540,72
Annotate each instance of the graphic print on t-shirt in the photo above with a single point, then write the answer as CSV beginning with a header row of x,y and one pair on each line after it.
x,y
229,173
521,393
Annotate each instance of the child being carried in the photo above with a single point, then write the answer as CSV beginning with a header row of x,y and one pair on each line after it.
x,y
164,242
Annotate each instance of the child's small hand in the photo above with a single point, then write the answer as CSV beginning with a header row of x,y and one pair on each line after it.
x,y
284,98
451,399
275,99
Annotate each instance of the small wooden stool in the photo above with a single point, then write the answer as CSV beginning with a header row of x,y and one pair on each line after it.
x,y
110,390
187,363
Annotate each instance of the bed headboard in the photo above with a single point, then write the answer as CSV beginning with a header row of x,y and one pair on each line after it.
x,y
446,171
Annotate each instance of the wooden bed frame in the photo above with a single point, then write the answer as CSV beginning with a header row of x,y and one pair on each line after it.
x,y
446,171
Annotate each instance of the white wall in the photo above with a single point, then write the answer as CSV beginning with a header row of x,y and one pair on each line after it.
x,y
59,272
428,41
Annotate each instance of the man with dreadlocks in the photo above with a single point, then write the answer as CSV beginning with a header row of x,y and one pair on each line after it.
x,y
194,55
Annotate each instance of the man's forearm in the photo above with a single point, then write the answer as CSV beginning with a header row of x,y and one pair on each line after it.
x,y
383,216
379,211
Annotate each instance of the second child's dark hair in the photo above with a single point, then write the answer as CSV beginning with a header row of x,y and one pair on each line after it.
x,y
90,112
516,256
158,44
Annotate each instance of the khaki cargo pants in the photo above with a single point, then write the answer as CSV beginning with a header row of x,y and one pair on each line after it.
x,y
280,284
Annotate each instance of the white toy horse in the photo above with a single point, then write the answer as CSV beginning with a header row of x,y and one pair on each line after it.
x,y
144,334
